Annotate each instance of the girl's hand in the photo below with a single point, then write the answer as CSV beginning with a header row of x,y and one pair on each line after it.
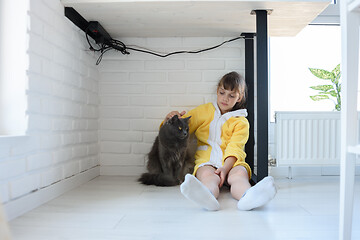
x,y
173,113
222,173
224,170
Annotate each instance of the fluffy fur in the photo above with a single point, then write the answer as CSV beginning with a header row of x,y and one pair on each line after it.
x,y
170,157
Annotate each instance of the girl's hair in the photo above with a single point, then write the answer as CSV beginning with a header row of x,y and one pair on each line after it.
x,y
234,81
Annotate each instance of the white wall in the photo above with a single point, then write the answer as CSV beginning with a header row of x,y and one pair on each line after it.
x,y
138,90
76,107
60,150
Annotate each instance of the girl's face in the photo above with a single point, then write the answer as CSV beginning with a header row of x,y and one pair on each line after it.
x,y
227,99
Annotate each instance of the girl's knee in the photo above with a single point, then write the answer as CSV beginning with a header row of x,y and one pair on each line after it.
x,y
207,173
238,173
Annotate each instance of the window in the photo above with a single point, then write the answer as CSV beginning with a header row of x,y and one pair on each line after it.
x,y
290,60
13,66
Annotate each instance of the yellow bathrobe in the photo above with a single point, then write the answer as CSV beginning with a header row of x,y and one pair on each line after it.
x,y
219,136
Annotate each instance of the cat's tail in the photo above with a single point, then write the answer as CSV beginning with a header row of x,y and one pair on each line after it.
x,y
158,179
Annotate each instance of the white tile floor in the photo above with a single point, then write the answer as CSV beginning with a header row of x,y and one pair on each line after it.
x,y
120,208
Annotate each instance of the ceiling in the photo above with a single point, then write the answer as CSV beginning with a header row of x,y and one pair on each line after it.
x,y
191,18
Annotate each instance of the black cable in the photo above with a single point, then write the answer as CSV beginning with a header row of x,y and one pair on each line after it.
x,y
178,52
101,55
120,46
103,48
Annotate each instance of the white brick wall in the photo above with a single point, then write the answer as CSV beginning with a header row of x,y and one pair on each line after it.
x,y
82,116
137,91
62,111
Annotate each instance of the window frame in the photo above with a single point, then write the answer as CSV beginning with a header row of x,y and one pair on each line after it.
x,y
330,16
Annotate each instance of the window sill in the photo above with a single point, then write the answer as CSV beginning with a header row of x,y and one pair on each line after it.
x,y
6,139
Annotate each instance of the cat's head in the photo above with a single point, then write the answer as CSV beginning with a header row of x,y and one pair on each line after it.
x,y
179,127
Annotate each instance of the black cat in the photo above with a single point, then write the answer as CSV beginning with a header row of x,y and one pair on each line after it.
x,y
170,157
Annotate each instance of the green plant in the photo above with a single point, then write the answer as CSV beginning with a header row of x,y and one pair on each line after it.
x,y
328,91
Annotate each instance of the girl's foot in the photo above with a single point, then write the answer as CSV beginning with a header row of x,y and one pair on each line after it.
x,y
195,191
258,195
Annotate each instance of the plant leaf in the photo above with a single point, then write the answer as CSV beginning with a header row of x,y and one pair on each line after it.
x,y
332,93
322,74
323,88
337,74
336,70
338,107
319,97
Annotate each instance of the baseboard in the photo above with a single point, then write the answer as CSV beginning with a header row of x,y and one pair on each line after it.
x,y
297,171
18,207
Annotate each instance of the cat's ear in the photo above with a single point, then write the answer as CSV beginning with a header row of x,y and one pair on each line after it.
x,y
187,119
173,119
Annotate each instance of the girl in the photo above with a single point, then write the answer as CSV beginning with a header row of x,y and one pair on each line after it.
x,y
222,131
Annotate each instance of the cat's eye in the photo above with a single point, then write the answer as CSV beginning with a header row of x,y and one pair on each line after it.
x,y
180,128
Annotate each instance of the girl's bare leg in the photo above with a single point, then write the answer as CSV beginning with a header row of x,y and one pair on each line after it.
x,y
207,176
238,180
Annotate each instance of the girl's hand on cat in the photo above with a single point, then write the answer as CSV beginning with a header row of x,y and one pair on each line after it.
x,y
173,113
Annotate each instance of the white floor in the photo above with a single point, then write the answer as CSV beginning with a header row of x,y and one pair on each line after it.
x,y
120,208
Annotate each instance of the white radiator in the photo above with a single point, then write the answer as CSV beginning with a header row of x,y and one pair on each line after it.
x,y
307,138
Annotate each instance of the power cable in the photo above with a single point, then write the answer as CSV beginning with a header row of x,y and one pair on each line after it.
x,y
121,47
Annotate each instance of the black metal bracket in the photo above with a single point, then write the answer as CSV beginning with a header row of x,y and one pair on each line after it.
x,y
76,18
249,76
262,93
92,28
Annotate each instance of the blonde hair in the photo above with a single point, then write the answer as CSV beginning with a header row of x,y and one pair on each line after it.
x,y
234,81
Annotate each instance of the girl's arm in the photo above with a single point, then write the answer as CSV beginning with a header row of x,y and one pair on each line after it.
x,y
235,149
236,145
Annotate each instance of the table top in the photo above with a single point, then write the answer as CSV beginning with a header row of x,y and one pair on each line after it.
x,y
191,18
